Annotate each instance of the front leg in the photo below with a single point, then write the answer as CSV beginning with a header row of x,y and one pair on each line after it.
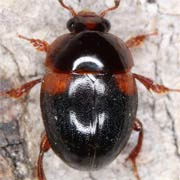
x,y
150,85
138,40
37,43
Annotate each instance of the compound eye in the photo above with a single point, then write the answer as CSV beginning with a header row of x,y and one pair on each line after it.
x,y
103,26
75,25
71,25
107,25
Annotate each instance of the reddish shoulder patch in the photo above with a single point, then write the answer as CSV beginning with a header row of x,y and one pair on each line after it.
x,y
56,83
126,83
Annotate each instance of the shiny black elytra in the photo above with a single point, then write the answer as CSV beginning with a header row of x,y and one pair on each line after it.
x,y
88,94
90,122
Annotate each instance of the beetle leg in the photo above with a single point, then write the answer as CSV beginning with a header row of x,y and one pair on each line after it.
x,y
150,85
135,152
16,93
44,147
37,43
138,40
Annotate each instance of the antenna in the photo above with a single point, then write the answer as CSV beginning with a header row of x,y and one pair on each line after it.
x,y
69,8
116,5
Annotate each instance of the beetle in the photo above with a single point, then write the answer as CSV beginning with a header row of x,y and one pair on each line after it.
x,y
89,96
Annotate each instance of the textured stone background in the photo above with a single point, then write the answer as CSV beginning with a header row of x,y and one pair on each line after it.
x,y
158,58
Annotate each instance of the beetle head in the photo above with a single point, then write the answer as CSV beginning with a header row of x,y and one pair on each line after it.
x,y
88,21
85,20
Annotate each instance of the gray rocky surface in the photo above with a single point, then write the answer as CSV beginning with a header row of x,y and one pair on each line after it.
x,y
159,58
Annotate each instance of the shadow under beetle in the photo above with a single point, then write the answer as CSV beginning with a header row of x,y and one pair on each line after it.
x,y
88,94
